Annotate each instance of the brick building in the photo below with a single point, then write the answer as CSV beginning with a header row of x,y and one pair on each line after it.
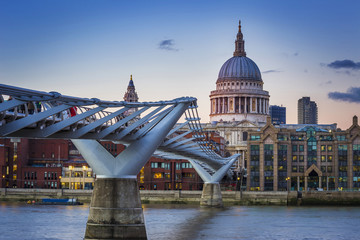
x,y
56,163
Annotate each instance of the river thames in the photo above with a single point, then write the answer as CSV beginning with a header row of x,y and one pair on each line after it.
x,y
39,222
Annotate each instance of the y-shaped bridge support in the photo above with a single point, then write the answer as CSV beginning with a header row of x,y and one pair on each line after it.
x,y
211,194
115,208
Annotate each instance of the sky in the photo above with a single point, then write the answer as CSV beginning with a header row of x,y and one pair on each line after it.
x,y
175,48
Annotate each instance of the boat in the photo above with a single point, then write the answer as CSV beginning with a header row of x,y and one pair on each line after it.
x,y
59,201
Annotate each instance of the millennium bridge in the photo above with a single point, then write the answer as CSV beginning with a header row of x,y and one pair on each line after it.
x,y
145,128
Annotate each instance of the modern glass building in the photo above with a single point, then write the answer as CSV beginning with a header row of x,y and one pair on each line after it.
x,y
304,157
278,114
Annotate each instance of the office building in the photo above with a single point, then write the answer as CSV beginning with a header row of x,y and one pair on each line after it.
x,y
307,111
278,114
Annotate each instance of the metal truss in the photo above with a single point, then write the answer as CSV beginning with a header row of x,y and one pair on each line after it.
x,y
36,114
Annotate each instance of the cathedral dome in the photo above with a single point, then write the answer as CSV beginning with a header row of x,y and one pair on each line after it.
x,y
239,68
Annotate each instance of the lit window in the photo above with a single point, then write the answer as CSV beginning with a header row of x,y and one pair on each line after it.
x,y
158,175
323,148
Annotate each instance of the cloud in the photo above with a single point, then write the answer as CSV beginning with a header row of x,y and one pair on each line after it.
x,y
270,71
347,64
351,95
325,83
168,44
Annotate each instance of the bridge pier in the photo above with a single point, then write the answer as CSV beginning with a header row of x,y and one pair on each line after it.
x,y
115,210
211,195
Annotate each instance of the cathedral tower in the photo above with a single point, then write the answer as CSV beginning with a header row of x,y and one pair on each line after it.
x,y
239,93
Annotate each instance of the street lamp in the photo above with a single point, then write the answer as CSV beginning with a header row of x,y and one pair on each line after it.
x,y
287,184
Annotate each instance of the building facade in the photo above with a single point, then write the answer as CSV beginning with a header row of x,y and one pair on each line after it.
x,y
277,114
304,157
307,111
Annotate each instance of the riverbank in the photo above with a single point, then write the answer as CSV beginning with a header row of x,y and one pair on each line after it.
x,y
187,197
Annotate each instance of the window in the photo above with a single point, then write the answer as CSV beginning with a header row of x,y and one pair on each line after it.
x,y
188,175
329,148
341,138
301,169
294,169
245,136
255,137
282,137
155,165
294,148
323,148
323,158
186,165
167,166
294,158
158,175
323,169
329,158
301,148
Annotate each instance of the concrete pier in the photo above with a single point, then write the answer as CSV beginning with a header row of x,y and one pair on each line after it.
x,y
211,195
115,210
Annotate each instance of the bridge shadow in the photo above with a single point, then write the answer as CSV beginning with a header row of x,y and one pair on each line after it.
x,y
177,222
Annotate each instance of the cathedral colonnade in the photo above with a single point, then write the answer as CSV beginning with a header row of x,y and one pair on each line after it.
x,y
239,104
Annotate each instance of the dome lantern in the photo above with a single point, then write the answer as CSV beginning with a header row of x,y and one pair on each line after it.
x,y
239,44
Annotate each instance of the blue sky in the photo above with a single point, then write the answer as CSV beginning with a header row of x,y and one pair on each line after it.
x,y
176,48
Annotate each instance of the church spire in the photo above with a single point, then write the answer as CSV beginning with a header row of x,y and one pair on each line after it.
x,y
131,95
239,44
131,83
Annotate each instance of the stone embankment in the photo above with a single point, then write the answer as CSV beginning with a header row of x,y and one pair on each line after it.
x,y
184,197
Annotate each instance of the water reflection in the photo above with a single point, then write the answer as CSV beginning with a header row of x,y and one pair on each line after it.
x,y
37,222
178,221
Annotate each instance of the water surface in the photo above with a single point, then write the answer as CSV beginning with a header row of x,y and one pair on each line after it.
x,y
40,222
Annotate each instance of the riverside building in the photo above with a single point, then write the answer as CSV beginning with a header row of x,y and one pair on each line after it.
x,y
304,157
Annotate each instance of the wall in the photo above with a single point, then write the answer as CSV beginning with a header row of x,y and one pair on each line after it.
x,y
176,196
